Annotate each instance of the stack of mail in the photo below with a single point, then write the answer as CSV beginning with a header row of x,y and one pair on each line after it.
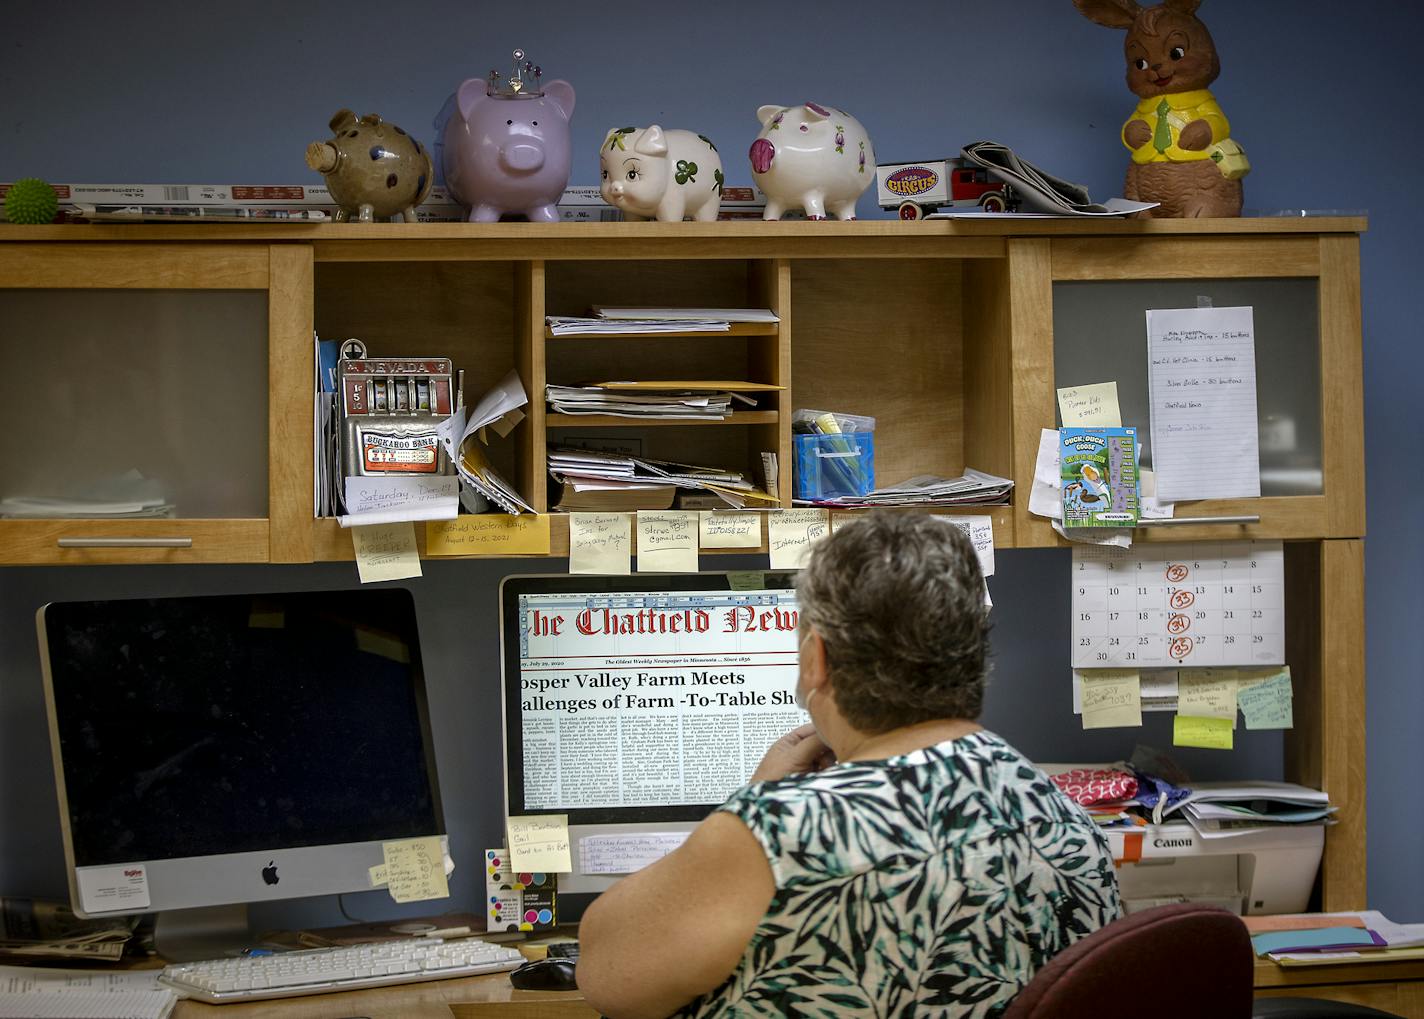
x,y
566,325
972,488
463,441
642,404
576,466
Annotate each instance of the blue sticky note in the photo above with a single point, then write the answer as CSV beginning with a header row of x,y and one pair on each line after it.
x,y
1267,705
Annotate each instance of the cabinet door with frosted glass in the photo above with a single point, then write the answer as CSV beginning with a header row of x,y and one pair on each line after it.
x,y
153,402
1303,296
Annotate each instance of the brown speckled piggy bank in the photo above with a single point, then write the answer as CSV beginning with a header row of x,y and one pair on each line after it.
x,y
374,170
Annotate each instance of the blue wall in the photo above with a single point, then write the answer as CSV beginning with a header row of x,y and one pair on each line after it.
x,y
235,95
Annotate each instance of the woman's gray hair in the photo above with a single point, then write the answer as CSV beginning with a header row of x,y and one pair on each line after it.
x,y
898,601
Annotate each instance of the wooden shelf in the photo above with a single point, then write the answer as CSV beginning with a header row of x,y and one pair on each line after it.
x,y
741,417
735,329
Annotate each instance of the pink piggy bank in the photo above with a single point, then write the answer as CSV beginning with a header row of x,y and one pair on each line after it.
x,y
507,147
811,157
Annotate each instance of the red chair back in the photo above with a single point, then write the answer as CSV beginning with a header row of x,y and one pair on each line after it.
x,y
1183,960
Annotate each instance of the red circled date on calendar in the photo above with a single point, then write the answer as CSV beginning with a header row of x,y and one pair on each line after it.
x,y
1178,622
1176,573
1180,647
1182,599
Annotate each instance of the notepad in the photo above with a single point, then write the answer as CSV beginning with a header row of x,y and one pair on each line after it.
x,y
87,1005
1202,390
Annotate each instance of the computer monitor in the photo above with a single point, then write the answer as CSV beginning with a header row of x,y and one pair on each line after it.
x,y
637,704
218,751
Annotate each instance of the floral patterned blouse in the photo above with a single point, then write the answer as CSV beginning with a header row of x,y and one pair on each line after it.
x,y
931,884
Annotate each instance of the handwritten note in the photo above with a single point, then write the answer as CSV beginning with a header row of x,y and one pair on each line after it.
x,y
747,580
1112,698
1090,406
415,869
1207,693
385,552
540,843
667,541
1207,733
980,532
625,854
1202,389
728,530
1265,696
386,500
600,543
791,533
489,534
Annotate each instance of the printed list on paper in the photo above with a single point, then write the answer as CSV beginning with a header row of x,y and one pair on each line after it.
x,y
1202,387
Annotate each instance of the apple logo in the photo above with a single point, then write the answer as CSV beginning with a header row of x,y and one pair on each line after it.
x,y
269,873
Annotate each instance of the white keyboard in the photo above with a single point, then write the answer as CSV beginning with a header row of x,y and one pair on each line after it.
x,y
324,970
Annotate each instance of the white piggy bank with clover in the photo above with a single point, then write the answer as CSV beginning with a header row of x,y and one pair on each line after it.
x,y
811,157
669,176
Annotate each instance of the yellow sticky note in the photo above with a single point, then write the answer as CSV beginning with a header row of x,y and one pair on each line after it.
x,y
1265,697
1207,693
791,533
415,869
600,543
540,843
385,552
747,580
377,875
729,530
1209,733
667,541
839,520
1112,698
489,534
1090,406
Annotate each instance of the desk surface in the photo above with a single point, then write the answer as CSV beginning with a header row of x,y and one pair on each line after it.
x,y
491,995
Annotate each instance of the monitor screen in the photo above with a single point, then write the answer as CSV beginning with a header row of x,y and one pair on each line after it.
x,y
197,739
643,699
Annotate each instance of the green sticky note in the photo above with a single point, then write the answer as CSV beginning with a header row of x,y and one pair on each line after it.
x,y
1265,698
1208,733
750,580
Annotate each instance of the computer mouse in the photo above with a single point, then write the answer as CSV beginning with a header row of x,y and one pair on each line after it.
x,y
545,975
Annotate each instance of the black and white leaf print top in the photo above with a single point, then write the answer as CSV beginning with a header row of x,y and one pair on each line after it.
x,y
931,884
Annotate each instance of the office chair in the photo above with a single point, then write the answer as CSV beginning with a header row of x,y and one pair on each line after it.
x,y
1182,961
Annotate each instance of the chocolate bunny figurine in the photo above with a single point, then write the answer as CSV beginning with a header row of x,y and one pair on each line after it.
x,y
1182,152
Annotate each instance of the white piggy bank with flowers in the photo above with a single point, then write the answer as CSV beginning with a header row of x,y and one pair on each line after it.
x,y
811,157
669,176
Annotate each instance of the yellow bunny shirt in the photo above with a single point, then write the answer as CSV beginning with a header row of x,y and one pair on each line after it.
x,y
1168,115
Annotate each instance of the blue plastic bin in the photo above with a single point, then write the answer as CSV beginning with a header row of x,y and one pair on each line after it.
x,y
831,466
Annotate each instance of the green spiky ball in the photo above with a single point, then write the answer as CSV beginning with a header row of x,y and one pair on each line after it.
x,y
31,202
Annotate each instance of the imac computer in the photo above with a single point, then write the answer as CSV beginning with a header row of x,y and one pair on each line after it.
x,y
211,752
637,704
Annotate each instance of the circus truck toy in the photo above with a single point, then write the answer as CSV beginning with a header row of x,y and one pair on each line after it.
x,y
915,190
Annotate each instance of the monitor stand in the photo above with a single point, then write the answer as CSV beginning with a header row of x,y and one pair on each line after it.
x,y
211,932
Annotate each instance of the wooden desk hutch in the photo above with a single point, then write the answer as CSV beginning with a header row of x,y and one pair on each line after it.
x,y
194,344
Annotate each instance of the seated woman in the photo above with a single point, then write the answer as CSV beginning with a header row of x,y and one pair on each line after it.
x,y
893,857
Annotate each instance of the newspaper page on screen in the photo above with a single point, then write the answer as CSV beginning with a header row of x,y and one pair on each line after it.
x,y
652,698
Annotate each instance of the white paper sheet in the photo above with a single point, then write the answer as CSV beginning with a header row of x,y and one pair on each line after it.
x,y
387,500
1202,389
625,854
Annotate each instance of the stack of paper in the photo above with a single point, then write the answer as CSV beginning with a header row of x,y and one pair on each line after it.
x,y
592,467
1221,809
1312,939
645,403
688,314
500,404
972,488
564,325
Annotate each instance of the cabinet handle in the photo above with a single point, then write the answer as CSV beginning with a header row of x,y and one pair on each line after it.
x,y
1169,521
125,542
